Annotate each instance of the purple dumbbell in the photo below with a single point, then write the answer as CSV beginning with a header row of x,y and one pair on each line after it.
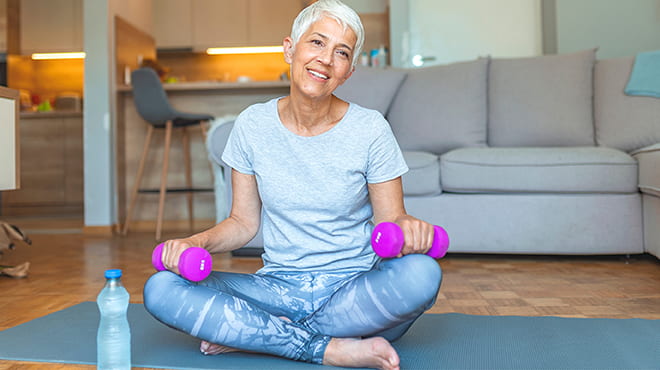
x,y
194,264
387,241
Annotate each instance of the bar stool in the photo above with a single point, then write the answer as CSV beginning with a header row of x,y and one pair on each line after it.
x,y
153,106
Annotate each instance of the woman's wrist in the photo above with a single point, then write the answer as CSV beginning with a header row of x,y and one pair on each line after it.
x,y
198,240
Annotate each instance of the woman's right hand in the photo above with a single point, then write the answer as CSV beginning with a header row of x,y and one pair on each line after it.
x,y
172,250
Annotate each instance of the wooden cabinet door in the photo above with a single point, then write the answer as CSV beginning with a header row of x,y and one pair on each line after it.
x,y
222,23
3,26
51,167
271,20
218,23
172,23
42,164
73,162
51,26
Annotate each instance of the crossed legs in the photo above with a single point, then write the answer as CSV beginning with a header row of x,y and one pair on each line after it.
x,y
244,311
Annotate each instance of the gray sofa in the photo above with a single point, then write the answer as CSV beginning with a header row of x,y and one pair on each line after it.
x,y
542,155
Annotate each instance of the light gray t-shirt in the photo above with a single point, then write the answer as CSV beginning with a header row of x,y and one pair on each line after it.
x,y
315,204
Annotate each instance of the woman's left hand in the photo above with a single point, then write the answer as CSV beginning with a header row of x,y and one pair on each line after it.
x,y
418,235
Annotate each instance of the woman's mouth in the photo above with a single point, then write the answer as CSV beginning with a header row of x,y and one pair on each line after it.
x,y
318,74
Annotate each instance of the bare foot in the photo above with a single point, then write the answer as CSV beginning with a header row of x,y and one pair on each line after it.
x,y
374,352
208,348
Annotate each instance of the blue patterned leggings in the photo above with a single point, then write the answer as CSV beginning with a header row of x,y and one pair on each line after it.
x,y
243,310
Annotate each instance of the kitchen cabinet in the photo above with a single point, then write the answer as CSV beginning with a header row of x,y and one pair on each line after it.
x,y
219,23
200,24
271,21
3,26
51,26
172,23
51,166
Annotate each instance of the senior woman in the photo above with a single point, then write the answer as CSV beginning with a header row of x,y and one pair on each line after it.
x,y
314,172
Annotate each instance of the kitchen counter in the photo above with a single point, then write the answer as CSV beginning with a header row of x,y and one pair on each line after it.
x,y
51,114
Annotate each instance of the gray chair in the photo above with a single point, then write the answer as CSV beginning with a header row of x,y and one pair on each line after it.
x,y
153,106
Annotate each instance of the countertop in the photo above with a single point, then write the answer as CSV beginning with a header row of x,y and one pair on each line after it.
x,y
213,85
51,114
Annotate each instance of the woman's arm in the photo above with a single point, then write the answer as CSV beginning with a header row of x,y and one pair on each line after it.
x,y
230,234
387,202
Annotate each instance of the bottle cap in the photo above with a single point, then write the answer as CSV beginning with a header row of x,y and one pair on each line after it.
x,y
112,274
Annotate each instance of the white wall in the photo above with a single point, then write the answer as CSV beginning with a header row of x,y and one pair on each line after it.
x,y
99,148
618,28
457,30
461,29
98,131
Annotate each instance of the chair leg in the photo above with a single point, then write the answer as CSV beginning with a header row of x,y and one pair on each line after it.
x,y
204,130
138,178
163,178
188,168
204,137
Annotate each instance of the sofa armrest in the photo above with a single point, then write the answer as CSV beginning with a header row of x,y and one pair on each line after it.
x,y
649,169
649,184
216,140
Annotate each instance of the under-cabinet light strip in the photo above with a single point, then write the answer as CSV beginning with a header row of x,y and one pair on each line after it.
x,y
245,50
48,56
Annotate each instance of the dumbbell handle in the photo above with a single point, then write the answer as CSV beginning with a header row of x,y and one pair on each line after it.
x,y
387,241
194,264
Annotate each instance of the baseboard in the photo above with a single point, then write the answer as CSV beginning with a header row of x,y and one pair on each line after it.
x,y
100,230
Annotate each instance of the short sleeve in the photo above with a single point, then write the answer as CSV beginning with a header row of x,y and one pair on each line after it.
x,y
238,153
385,158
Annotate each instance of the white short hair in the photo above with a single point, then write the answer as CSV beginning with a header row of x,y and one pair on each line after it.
x,y
335,9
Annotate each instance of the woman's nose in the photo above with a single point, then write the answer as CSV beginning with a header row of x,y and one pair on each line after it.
x,y
325,56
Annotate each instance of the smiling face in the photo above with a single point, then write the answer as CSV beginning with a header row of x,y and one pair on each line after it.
x,y
322,58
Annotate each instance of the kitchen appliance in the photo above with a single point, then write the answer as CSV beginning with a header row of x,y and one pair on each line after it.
x,y
68,101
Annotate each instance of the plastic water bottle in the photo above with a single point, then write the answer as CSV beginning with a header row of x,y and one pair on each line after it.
x,y
113,342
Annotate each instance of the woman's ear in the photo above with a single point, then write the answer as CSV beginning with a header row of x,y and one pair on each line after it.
x,y
288,49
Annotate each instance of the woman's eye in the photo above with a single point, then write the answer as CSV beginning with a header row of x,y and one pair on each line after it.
x,y
343,53
317,42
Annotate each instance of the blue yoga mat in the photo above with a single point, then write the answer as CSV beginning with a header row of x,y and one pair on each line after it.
x,y
436,341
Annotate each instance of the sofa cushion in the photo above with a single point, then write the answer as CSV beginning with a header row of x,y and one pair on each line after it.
x,y
423,176
622,121
541,101
649,169
441,108
539,170
372,88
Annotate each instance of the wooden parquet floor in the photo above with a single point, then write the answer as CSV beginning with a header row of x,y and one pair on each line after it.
x,y
67,268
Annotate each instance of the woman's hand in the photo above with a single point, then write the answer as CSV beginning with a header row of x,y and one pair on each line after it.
x,y
387,201
418,235
172,250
